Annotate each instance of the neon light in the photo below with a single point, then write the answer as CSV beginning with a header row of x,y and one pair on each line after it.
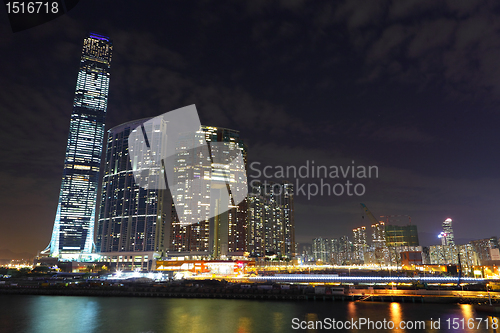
x,y
96,36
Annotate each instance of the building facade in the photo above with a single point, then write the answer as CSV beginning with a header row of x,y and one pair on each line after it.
x,y
360,244
380,250
225,234
133,220
447,236
73,232
484,249
397,236
270,220
322,250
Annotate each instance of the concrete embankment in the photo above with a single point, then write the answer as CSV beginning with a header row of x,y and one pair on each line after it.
x,y
253,293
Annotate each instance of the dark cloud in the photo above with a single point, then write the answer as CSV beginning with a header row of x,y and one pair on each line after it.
x,y
409,86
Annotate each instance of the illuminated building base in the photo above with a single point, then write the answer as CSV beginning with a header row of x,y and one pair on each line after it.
x,y
131,260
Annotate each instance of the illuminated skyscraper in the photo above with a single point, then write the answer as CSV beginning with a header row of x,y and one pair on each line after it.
x,y
381,252
322,250
73,232
288,216
270,226
133,220
447,237
224,234
360,244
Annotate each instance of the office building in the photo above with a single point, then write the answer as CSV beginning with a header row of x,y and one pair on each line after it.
x,y
225,234
133,220
398,236
447,236
73,232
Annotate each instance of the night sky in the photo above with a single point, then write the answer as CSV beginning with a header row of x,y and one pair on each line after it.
x,y
411,87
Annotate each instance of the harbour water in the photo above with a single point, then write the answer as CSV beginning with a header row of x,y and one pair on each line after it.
x,y
40,314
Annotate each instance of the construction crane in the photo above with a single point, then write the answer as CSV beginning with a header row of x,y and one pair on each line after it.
x,y
378,238
369,214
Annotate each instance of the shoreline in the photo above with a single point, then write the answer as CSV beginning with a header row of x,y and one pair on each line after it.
x,y
250,294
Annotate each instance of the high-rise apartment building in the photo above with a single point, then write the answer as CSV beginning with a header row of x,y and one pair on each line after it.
x,y
270,220
483,248
73,232
360,244
468,257
133,220
322,250
380,250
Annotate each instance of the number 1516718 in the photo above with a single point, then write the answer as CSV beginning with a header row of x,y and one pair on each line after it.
x,y
472,323
32,7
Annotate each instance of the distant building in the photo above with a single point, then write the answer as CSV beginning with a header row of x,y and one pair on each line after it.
x,y
397,236
322,250
425,255
468,257
443,254
342,251
395,253
270,220
306,254
409,258
380,250
484,249
447,236
360,245
337,257
448,248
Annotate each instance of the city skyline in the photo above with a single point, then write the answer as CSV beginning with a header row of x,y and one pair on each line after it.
x,y
330,83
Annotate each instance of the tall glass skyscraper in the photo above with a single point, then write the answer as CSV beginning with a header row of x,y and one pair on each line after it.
x,y
73,232
223,235
133,220
447,237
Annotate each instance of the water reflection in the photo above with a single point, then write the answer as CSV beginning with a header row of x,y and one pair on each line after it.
x,y
50,313
311,317
351,310
244,325
278,322
40,314
395,315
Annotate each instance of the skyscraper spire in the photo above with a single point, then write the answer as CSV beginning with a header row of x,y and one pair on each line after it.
x,y
73,232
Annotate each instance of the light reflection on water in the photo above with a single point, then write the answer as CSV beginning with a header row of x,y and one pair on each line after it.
x,y
40,314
